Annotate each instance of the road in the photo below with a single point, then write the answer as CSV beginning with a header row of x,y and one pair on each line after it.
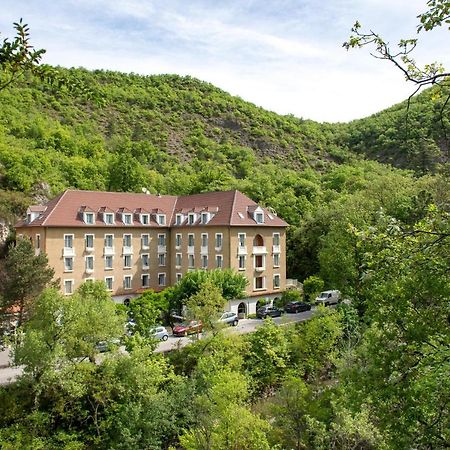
x,y
9,374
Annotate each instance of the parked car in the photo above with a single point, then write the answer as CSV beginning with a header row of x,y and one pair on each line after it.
x,y
230,318
186,328
159,333
268,311
296,307
328,298
106,346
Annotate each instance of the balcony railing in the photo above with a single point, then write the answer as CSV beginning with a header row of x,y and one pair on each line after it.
x,y
242,250
190,249
127,250
161,249
276,249
204,249
259,250
260,269
108,251
89,270
68,251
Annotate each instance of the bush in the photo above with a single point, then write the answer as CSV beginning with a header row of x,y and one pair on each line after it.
x,y
312,287
290,295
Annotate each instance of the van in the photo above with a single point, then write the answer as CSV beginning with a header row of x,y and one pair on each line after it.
x,y
328,298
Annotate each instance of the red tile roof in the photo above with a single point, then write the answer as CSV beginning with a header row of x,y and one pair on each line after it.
x,y
229,208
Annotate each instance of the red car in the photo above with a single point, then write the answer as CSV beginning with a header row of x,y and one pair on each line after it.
x,y
186,328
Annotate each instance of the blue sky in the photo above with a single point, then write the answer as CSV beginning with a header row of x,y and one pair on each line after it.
x,y
284,55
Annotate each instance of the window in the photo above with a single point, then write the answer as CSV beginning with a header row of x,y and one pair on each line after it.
x,y
204,240
191,241
38,241
205,218
178,240
145,280
178,277
108,262
109,240
127,282
219,238
127,219
145,240
259,217
127,261
242,262
276,281
89,218
178,260
109,283
259,262
145,261
241,237
68,287
276,238
68,264
161,279
108,218
145,219
191,218
161,219
162,239
276,260
204,261
259,283
68,241
219,261
89,241
89,263
191,261
179,219
127,240
162,259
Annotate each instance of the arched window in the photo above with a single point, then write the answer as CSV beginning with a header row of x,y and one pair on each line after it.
x,y
258,241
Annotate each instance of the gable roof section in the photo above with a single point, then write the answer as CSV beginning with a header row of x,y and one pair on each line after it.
x,y
229,208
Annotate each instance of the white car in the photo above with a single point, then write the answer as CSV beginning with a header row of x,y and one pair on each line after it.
x,y
328,298
159,333
229,318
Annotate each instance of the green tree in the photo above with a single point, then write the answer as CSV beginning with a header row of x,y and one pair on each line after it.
x,y
312,287
25,275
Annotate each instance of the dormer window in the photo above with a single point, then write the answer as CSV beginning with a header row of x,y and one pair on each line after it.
x,y
259,217
29,220
205,218
192,218
127,218
145,219
108,218
89,218
179,219
161,219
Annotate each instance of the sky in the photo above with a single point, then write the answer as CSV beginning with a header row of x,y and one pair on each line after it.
x,y
283,55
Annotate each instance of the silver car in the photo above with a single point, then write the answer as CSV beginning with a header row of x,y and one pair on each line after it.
x,y
159,333
230,318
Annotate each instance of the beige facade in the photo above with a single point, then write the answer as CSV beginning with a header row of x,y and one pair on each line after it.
x,y
131,258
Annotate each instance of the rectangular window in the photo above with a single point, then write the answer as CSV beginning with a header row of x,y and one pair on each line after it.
x,y
68,240
178,260
219,239
191,240
109,283
145,280
108,262
108,218
259,218
241,237
127,282
191,261
178,219
259,261
276,260
68,287
205,218
127,261
161,279
145,240
127,240
204,240
162,239
145,219
242,262
89,218
38,241
127,219
89,263
68,264
276,238
259,283
276,281
145,261
178,277
191,218
109,240
204,261
161,219
162,259
89,241
178,240
219,261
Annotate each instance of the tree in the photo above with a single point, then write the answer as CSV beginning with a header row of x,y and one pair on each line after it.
x,y
25,275
312,287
